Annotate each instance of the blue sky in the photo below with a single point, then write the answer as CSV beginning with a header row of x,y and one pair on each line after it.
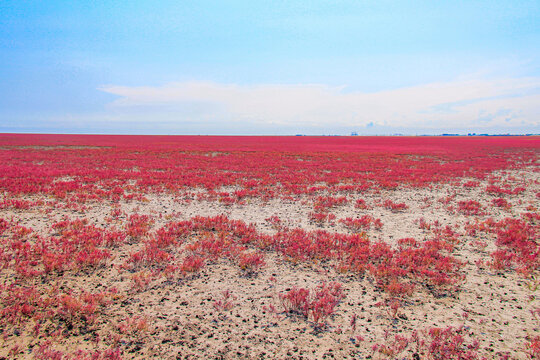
x,y
275,67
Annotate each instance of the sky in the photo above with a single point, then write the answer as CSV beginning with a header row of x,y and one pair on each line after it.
x,y
270,67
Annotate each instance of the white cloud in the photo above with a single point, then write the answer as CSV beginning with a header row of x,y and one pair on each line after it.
x,y
461,103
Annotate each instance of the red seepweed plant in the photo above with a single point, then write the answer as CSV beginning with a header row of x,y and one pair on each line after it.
x,y
394,207
318,304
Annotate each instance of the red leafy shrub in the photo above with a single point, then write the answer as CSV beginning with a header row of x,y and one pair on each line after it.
x,y
423,224
428,264
326,298
533,347
470,207
398,289
74,245
226,302
83,307
446,234
275,222
138,226
516,241
19,204
322,203
114,238
192,264
150,255
360,204
506,190
250,263
434,343
173,233
502,203
319,303
321,217
394,207
392,347
471,184
296,300
450,343
364,222
133,325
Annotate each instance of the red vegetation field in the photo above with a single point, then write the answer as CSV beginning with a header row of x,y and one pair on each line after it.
x,y
119,247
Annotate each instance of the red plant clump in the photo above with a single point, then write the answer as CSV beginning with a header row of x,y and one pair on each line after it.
x,y
318,304
429,264
516,241
364,222
502,203
138,225
250,263
151,254
19,204
360,204
322,203
454,343
321,217
470,207
471,184
450,343
73,245
275,222
394,207
226,302
425,264
505,190
533,347
192,264
423,224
